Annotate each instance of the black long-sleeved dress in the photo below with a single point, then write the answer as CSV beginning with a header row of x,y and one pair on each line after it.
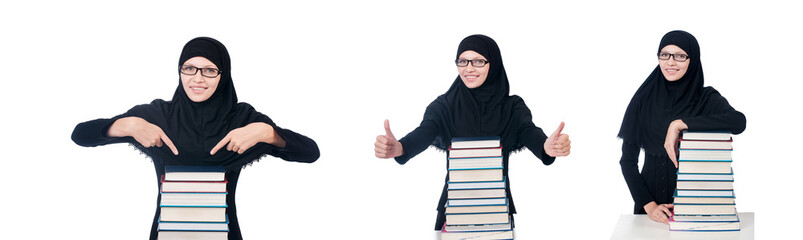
x,y
299,148
658,178
529,135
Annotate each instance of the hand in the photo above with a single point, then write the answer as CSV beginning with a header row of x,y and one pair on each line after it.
x,y
145,133
558,145
387,146
671,141
241,139
659,213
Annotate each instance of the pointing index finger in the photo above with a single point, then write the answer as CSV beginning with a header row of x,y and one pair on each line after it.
x,y
169,143
220,144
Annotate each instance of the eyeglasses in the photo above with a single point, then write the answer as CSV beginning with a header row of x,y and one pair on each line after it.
x,y
206,72
677,56
474,62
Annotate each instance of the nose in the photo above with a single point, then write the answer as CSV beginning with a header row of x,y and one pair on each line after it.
x,y
672,61
197,77
470,68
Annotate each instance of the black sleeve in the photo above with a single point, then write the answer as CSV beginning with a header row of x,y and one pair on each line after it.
x,y
298,148
419,139
717,115
532,136
94,133
635,182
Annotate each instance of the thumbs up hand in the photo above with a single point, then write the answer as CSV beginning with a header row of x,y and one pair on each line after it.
x,y
387,146
558,144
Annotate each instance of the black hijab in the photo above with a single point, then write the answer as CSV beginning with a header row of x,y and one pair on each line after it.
x,y
196,127
482,111
658,101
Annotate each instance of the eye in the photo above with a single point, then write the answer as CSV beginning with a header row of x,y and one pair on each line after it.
x,y
210,71
479,62
682,56
188,68
462,62
663,55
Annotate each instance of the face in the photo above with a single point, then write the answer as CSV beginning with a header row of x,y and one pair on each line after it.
x,y
198,87
472,76
673,70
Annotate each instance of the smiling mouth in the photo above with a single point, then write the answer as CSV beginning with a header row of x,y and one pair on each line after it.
x,y
197,89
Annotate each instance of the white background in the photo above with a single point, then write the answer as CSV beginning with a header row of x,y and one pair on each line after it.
x,y
334,70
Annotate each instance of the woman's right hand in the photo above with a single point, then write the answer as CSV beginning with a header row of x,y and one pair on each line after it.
x,y
659,213
387,146
145,133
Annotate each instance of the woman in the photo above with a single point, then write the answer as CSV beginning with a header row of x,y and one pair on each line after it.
x,y
670,100
477,104
202,118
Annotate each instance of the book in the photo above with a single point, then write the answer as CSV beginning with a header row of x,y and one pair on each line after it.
x,y
687,166
705,200
489,235
193,214
705,185
705,154
195,173
476,185
706,176
476,142
713,135
193,199
476,202
475,163
477,227
476,193
194,235
477,209
193,186
194,226
704,209
475,152
480,175
706,144
704,223
704,193
477,218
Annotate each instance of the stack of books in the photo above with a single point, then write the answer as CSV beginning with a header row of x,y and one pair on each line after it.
x,y
193,203
704,199
477,205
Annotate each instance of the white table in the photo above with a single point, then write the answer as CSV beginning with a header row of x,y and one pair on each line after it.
x,y
631,226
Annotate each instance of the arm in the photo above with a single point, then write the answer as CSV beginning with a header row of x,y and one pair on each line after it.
x,y
94,133
120,129
635,182
534,138
297,147
543,147
718,115
284,143
417,141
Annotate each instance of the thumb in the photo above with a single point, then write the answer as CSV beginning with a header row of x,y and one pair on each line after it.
x,y
557,131
387,130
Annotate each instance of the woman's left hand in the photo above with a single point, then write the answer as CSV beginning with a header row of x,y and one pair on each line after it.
x,y
672,139
241,139
558,144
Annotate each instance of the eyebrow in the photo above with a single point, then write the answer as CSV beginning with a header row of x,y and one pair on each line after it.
x,y
207,66
674,53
